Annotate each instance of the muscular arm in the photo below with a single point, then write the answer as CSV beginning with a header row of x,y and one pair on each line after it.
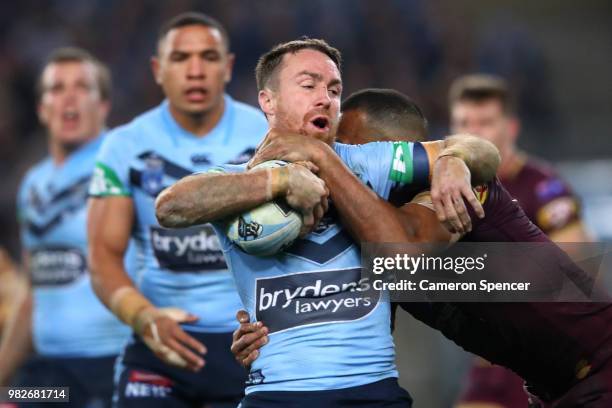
x,y
209,197
109,225
214,196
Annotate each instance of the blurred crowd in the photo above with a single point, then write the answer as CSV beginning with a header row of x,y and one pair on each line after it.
x,y
415,46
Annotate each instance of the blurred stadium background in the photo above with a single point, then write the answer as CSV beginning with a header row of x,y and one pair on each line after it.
x,y
557,56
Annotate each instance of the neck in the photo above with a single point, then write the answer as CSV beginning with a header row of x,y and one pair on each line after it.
x,y
199,124
59,152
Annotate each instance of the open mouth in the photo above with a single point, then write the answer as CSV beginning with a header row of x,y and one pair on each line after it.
x,y
320,122
196,94
70,117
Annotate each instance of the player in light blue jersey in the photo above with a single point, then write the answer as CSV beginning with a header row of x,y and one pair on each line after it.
x,y
75,337
185,302
330,341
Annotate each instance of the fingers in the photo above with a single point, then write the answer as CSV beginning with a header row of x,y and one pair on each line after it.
x,y
325,201
178,315
469,195
243,316
254,344
309,165
240,341
451,216
246,363
464,217
307,223
189,341
194,362
319,212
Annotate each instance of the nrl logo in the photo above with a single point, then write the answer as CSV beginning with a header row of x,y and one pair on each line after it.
x,y
248,230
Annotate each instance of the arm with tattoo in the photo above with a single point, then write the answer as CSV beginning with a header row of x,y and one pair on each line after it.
x,y
209,197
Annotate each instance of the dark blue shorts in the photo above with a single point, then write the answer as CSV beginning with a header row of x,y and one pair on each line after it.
x,y
90,379
143,380
385,393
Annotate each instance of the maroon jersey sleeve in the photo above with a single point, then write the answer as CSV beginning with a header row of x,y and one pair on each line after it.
x,y
546,198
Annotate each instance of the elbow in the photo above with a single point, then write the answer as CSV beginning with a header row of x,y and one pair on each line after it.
x,y
164,208
167,210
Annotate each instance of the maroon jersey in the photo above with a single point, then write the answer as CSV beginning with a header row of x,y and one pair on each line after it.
x,y
546,199
550,345
549,202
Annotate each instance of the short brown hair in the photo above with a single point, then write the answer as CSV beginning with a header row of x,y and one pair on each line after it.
x,y
270,61
481,87
75,54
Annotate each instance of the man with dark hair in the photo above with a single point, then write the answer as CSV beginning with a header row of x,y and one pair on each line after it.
x,y
73,335
389,115
483,105
183,304
330,342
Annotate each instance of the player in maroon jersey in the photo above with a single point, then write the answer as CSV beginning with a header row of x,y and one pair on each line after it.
x,y
563,350
482,105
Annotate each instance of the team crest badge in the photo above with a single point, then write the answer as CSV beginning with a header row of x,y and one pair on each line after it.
x,y
153,175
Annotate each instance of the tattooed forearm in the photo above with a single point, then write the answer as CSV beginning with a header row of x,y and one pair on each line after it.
x,y
203,198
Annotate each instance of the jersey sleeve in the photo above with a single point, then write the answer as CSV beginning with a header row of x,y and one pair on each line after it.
x,y
111,176
391,169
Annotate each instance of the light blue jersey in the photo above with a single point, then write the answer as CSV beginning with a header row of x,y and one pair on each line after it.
x,y
328,328
68,319
183,268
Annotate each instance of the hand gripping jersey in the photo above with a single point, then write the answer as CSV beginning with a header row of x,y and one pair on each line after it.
x,y
68,319
328,328
183,268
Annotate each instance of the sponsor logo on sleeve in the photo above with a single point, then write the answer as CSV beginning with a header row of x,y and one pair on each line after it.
x,y
194,249
56,266
105,182
401,166
557,213
290,301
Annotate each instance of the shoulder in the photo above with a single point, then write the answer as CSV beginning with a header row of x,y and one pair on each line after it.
x,y
36,171
247,117
137,130
245,110
546,181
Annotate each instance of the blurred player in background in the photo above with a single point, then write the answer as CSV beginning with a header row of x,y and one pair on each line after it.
x,y
76,339
184,305
483,105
